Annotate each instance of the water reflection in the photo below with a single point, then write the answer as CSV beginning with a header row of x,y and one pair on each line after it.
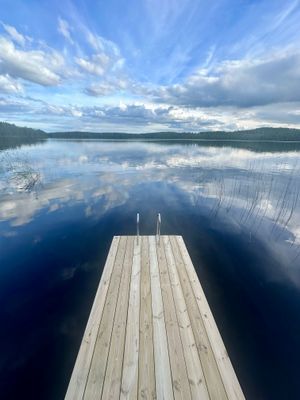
x,y
237,209
258,190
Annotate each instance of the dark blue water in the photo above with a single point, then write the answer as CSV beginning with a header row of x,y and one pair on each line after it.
x,y
238,210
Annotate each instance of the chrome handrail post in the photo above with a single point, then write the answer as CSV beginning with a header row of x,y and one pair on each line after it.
x,y
158,224
137,227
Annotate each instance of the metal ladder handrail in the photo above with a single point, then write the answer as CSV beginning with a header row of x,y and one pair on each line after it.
x,y
158,224
137,227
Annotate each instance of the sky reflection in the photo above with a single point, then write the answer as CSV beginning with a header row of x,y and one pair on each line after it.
x,y
246,186
238,211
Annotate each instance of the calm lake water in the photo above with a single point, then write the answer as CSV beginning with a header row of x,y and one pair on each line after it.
x,y
237,207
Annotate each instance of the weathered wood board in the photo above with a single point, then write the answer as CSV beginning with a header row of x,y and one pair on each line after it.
x,y
151,334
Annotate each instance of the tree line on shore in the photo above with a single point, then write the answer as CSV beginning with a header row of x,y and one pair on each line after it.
x,y
12,132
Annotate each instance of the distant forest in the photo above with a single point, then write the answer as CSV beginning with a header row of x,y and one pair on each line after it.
x,y
253,134
12,135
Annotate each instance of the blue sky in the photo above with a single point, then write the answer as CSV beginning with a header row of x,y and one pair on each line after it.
x,y
151,65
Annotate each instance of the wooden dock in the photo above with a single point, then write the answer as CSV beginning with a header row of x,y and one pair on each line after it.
x,y
151,334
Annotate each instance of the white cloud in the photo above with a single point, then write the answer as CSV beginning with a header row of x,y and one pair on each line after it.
x,y
38,66
9,85
97,65
101,45
106,87
69,111
105,61
64,29
83,158
145,117
100,89
14,34
241,83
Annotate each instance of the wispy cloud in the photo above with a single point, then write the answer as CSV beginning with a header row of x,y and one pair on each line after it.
x,y
108,87
64,29
9,85
96,65
15,35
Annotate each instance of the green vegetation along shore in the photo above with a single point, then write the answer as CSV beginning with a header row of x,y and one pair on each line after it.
x,y
11,134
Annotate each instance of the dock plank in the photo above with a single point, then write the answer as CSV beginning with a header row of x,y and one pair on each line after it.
x,y
181,386
147,388
82,366
194,368
113,375
129,387
164,387
229,378
98,364
212,375
151,333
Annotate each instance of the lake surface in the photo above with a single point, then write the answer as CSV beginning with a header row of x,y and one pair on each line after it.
x,y
237,207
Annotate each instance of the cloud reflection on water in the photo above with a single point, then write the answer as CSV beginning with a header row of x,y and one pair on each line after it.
x,y
251,189
237,209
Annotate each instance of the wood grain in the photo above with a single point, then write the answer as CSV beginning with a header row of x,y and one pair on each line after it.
x,y
113,375
101,351
151,333
147,387
130,367
82,366
194,368
181,386
228,375
164,387
212,375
